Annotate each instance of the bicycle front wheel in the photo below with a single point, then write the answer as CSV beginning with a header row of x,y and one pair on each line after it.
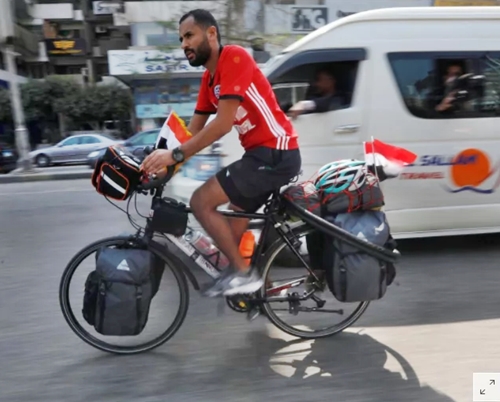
x,y
124,345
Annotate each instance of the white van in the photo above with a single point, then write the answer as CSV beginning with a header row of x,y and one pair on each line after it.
x,y
389,65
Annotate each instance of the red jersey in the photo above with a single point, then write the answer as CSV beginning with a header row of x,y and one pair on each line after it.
x,y
259,119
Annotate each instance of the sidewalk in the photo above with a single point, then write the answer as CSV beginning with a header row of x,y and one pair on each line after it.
x,y
62,173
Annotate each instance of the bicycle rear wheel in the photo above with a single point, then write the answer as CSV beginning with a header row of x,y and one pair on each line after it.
x,y
85,335
295,279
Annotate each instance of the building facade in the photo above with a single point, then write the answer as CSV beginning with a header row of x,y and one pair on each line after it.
x,y
154,66
137,41
65,38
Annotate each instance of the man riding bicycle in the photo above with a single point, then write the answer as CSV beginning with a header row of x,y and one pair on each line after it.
x,y
234,88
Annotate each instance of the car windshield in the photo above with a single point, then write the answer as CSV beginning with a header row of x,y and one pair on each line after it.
x,y
144,138
106,135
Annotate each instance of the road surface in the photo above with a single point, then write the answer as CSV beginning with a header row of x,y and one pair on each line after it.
x,y
64,168
422,342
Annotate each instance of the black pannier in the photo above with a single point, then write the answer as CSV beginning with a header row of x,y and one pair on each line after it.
x,y
353,275
118,293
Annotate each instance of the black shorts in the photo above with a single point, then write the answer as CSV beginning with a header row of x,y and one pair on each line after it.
x,y
250,181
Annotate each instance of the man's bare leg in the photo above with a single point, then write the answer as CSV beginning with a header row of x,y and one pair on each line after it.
x,y
204,203
238,225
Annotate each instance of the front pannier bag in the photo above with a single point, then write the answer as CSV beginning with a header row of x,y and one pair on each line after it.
x,y
117,173
118,293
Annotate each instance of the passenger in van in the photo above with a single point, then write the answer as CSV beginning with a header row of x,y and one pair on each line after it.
x,y
445,93
322,98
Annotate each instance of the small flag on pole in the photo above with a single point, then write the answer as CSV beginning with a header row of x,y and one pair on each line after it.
x,y
173,133
388,160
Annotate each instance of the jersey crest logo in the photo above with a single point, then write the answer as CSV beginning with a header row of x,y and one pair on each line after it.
x,y
217,91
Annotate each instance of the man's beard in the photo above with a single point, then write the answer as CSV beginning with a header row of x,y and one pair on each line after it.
x,y
202,54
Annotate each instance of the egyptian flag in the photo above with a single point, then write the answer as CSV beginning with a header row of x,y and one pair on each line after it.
x,y
385,160
173,133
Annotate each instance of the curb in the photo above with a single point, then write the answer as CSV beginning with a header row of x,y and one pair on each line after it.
x,y
22,178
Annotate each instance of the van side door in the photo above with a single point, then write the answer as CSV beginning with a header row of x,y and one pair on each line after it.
x,y
454,184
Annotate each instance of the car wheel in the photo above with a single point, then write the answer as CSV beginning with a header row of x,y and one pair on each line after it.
x,y
42,160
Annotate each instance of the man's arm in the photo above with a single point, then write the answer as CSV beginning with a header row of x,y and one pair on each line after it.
x,y
197,123
216,129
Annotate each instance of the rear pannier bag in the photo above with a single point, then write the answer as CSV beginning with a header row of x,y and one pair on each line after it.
x,y
117,173
353,275
119,292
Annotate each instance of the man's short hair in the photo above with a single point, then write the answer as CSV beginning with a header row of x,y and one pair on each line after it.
x,y
324,70
203,18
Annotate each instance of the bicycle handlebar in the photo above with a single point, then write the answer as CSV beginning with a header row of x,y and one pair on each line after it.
x,y
152,182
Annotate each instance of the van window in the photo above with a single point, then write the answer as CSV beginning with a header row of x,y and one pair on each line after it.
x,y
298,83
290,93
448,84
489,66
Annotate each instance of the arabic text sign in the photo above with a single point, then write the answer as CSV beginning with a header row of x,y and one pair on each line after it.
x,y
65,47
100,9
307,19
131,62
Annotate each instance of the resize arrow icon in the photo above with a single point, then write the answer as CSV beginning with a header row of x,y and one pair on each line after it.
x,y
492,382
482,392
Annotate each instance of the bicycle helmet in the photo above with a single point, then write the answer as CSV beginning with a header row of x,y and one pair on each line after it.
x,y
335,177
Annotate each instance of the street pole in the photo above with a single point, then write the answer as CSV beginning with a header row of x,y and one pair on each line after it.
x,y
22,141
89,39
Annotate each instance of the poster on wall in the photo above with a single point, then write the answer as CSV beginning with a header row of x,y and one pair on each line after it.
x,y
307,18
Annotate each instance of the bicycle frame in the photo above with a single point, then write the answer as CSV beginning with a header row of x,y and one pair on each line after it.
x,y
183,251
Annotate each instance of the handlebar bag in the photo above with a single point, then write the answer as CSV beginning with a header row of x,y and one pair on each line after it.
x,y
168,216
117,173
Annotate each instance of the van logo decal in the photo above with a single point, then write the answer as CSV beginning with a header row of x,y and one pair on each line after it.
x,y
472,170
469,170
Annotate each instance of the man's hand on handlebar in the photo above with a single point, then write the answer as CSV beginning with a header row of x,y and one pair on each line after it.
x,y
157,161
151,179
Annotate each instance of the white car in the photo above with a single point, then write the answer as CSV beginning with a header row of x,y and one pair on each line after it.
x,y
73,149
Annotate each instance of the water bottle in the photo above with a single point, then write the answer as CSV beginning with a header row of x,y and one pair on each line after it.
x,y
247,246
205,247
